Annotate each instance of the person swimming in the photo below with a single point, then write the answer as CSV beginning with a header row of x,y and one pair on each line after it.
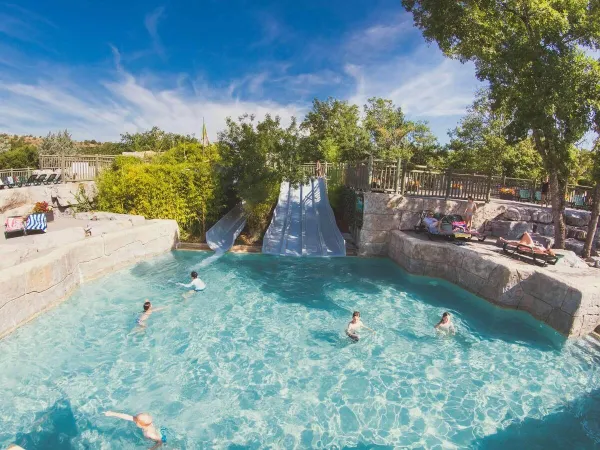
x,y
196,283
354,326
145,422
148,310
445,324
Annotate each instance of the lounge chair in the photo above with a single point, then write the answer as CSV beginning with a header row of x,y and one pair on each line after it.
x,y
524,195
51,178
14,225
537,196
58,179
30,180
537,254
579,202
10,182
40,179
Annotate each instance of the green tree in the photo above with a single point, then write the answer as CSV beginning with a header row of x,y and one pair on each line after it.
x,y
335,124
19,154
530,53
155,140
595,175
59,143
393,136
4,143
479,144
257,156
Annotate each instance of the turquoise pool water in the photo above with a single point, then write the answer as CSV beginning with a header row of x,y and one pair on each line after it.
x,y
259,360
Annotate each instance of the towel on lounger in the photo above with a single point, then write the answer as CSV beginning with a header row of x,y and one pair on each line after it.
x,y
14,224
36,222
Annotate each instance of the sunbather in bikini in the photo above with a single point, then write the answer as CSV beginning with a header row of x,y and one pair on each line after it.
x,y
527,241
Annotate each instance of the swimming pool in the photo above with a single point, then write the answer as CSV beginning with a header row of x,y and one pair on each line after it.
x,y
260,360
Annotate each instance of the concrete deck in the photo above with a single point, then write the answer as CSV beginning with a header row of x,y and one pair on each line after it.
x,y
566,298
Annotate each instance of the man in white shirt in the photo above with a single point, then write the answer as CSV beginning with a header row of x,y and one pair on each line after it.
x,y
197,285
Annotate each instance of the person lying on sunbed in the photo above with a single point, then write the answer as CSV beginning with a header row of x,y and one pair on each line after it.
x,y
432,224
527,241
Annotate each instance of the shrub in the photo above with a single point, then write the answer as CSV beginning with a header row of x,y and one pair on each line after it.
x,y
180,184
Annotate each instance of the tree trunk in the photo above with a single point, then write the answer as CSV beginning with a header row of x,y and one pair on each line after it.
x,y
558,190
587,248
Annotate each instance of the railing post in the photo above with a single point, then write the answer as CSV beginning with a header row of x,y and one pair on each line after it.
x,y
370,173
448,183
12,174
97,166
488,195
398,175
403,179
63,168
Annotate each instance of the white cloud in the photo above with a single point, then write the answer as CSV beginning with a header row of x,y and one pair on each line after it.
x,y
151,23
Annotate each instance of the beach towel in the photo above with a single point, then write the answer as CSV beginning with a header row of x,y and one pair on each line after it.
x,y
14,224
36,222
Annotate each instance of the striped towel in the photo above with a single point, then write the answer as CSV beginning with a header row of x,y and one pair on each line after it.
x,y
36,222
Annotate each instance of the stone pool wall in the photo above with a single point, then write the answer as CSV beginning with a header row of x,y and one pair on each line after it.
x,y
384,213
34,285
568,300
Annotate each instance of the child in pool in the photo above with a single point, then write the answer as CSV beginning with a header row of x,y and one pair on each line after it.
x,y
197,284
445,325
354,325
148,310
143,421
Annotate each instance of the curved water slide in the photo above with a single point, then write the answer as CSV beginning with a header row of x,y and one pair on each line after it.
x,y
223,234
303,223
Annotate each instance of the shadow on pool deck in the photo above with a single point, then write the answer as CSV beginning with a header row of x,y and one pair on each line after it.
x,y
579,418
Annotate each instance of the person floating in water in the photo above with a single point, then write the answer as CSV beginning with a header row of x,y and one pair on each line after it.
x,y
354,326
143,421
197,284
148,310
445,324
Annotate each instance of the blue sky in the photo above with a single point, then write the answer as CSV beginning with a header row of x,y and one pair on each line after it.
x,y
101,68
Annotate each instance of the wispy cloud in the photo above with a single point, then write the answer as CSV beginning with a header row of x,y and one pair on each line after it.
x,y
151,22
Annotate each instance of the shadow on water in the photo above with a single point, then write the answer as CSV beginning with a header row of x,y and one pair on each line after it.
x,y
576,426
54,429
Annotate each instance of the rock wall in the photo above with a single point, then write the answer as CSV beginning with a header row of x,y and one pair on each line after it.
x,y
569,302
37,284
384,213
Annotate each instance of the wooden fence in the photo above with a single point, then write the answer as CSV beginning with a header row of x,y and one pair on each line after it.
x,y
76,167
396,177
16,173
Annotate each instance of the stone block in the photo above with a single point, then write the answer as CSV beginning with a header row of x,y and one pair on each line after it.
x,y
562,322
545,230
517,214
570,259
380,222
469,281
574,245
510,230
577,218
546,288
546,241
372,249
373,237
572,302
408,220
481,266
536,307
590,322
542,216
581,235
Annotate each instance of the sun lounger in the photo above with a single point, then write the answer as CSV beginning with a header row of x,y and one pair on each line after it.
x,y
579,202
538,196
537,254
40,179
9,182
524,195
51,178
30,180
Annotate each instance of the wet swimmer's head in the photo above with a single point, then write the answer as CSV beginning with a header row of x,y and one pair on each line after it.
x,y
194,275
143,420
445,317
355,316
147,305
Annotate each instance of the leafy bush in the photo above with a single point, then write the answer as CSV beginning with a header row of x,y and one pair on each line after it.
x,y
179,184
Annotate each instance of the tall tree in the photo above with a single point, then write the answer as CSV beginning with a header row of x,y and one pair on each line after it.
x,y
335,124
392,134
593,225
59,143
479,144
530,53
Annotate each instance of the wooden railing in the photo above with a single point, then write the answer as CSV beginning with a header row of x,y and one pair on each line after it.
x,y
16,173
76,167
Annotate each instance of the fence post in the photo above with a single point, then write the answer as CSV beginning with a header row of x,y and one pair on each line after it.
x,y
12,174
488,195
63,168
403,179
97,166
398,175
370,173
448,183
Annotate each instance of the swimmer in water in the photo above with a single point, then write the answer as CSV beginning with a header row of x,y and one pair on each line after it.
x,y
354,325
445,324
148,310
197,284
143,421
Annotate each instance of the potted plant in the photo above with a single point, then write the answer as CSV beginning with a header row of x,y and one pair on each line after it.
x,y
507,193
44,207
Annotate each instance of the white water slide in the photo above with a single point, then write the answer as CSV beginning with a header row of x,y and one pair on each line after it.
x,y
223,234
303,223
